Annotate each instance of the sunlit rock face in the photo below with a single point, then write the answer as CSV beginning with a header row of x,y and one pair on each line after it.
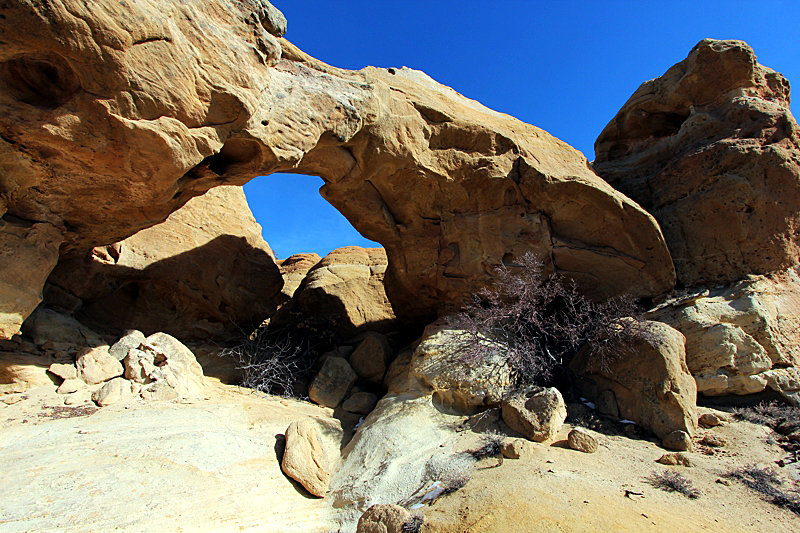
x,y
113,115
712,151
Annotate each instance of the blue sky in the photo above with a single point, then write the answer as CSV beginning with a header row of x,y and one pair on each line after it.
x,y
565,66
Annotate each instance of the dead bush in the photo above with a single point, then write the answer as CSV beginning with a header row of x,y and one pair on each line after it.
x,y
766,482
782,418
541,321
672,481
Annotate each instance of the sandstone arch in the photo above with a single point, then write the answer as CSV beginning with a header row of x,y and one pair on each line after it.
x,y
116,116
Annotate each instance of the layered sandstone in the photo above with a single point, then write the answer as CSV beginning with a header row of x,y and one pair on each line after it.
x,y
114,115
712,151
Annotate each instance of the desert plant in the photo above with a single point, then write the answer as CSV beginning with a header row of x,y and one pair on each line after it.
x,y
541,321
782,418
672,481
769,485
277,361
490,447
414,524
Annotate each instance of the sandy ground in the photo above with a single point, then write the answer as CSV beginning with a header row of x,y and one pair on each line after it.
x,y
211,464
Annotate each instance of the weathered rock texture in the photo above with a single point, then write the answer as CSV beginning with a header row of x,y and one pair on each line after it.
x,y
712,151
294,269
113,115
536,413
345,291
649,378
195,275
312,453
438,363
742,338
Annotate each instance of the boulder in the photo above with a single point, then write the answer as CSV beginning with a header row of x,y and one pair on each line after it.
x,y
741,338
677,440
132,339
709,420
372,357
71,385
344,291
536,413
63,371
515,448
46,325
384,518
649,378
438,362
582,440
712,151
192,276
675,459
312,453
95,365
165,368
360,402
332,383
112,138
114,391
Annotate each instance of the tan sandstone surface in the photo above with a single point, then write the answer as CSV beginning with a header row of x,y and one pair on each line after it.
x,y
141,106
712,151
213,464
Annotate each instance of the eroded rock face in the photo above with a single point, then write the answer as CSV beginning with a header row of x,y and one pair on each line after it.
x,y
196,274
294,269
742,338
141,106
712,151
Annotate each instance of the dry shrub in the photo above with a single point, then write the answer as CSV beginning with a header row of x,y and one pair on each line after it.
x,y
782,418
414,524
278,361
769,485
490,446
540,322
672,481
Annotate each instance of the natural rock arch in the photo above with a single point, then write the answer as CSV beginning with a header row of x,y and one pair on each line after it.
x,y
115,117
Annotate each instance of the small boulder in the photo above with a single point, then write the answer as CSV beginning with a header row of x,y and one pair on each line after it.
x,y
70,385
384,518
709,420
360,402
515,448
536,413
334,381
312,453
95,365
45,325
132,339
675,459
581,440
112,392
607,404
165,368
677,440
63,371
371,358
715,441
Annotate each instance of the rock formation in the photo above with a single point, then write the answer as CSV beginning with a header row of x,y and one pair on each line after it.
x,y
294,269
345,291
741,338
195,275
712,151
114,115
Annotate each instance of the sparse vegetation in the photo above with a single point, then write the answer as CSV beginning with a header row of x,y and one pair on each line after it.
x,y
541,321
414,525
279,361
766,482
784,419
490,446
672,481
